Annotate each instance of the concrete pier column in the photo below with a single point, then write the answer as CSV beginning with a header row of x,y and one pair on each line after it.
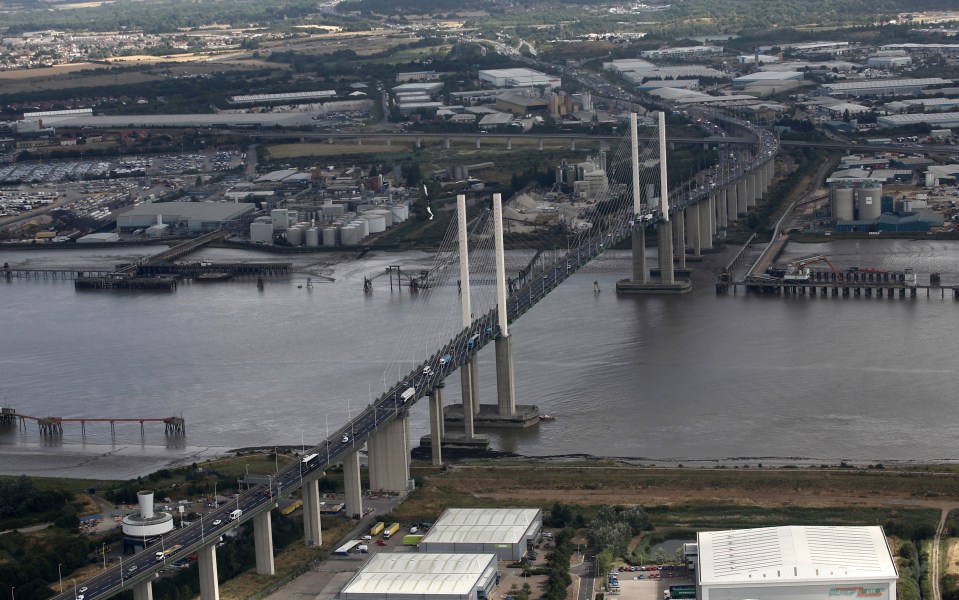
x,y
263,543
436,426
419,141
679,239
447,143
540,143
312,528
732,202
388,450
572,145
640,272
666,253
707,225
143,590
505,384
692,227
206,561
756,179
389,140
478,145
742,203
352,483
509,143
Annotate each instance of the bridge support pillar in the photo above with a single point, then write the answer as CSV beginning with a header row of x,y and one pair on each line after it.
x,y
505,385
447,143
478,143
436,426
389,141
770,172
572,145
143,590
388,450
732,202
312,527
742,204
707,225
640,272
206,561
418,142
509,143
470,403
354,490
694,213
359,141
667,276
263,543
754,182
329,141
679,238
468,372
750,191
540,143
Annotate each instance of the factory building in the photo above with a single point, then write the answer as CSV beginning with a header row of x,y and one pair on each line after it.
x,y
418,576
937,120
193,216
881,87
519,103
518,78
506,532
145,527
795,563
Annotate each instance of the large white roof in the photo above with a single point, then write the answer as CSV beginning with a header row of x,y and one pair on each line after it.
x,y
421,574
482,526
794,554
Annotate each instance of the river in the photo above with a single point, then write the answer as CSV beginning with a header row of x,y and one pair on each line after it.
x,y
695,379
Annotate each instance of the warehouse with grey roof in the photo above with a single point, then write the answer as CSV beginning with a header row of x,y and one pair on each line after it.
x,y
418,576
795,563
193,216
502,531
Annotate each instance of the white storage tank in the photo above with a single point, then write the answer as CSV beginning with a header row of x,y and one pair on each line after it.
x,y
294,235
930,180
313,237
842,202
362,226
350,235
387,216
375,223
330,236
401,212
870,201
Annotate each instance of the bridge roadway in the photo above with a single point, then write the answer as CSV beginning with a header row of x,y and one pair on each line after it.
x,y
143,567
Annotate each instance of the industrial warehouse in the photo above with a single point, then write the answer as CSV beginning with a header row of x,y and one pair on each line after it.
x,y
194,216
424,577
794,563
506,532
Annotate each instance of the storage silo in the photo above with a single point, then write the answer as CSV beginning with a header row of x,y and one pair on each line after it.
x,y
401,212
362,227
870,201
387,216
329,236
376,223
294,235
842,202
313,237
350,235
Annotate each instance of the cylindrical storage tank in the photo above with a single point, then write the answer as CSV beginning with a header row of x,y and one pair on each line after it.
x,y
294,236
870,201
312,236
362,227
329,237
401,212
930,180
842,204
376,223
350,235
145,500
387,216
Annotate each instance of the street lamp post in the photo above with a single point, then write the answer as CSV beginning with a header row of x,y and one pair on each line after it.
x,y
60,577
74,588
103,549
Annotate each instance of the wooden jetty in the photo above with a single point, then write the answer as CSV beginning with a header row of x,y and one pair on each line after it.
x,y
53,426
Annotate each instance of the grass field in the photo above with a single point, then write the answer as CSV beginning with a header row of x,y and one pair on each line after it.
x,y
53,81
